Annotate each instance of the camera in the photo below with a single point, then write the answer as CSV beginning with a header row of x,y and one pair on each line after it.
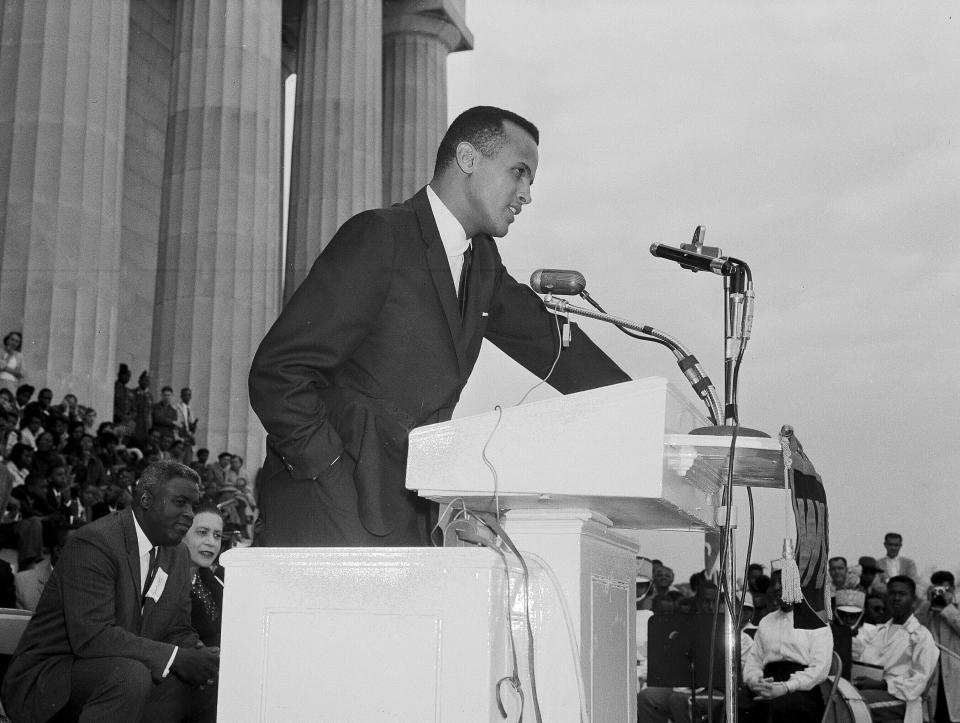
x,y
938,596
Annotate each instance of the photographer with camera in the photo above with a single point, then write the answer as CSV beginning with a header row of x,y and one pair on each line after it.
x,y
940,614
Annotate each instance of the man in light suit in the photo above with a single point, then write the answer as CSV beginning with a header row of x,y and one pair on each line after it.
x,y
893,563
384,332
111,638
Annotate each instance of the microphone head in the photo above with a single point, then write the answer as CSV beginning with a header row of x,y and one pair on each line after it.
x,y
558,281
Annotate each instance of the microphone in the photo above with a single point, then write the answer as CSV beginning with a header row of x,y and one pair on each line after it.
x,y
695,262
557,281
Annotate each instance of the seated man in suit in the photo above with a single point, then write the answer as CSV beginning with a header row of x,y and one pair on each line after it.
x,y
384,332
111,638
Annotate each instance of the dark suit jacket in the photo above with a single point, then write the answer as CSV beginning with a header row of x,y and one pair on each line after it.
x,y
372,345
90,608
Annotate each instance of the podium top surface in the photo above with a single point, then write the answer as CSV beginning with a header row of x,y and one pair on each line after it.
x,y
624,450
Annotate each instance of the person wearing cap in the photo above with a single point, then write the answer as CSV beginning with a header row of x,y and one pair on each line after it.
x,y
940,614
849,608
892,563
907,653
869,571
786,665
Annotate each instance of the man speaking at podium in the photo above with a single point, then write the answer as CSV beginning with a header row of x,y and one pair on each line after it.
x,y
383,334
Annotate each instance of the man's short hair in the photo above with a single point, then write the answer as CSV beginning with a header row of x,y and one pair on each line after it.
x,y
891,535
482,127
754,566
166,389
838,557
157,474
185,389
26,389
942,577
908,581
224,454
236,456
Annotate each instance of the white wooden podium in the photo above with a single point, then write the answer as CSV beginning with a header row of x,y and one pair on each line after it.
x,y
400,634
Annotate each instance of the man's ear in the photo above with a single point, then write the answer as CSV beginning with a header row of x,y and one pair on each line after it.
x,y
466,156
146,500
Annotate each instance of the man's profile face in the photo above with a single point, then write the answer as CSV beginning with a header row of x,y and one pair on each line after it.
x,y
838,573
500,185
893,545
168,512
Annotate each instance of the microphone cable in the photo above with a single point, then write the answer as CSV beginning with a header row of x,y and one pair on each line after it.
x,y
585,295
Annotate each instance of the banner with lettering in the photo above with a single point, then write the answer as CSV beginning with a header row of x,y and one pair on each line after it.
x,y
810,512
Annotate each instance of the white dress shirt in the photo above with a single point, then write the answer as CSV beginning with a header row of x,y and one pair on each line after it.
x,y
778,640
451,233
908,654
144,546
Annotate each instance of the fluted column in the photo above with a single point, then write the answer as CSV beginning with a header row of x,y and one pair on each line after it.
x,y
417,37
336,166
62,99
218,276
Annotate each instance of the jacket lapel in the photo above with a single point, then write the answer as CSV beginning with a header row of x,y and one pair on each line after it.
x,y
440,272
133,552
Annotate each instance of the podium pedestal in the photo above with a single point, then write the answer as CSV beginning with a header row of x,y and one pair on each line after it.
x,y
596,570
351,635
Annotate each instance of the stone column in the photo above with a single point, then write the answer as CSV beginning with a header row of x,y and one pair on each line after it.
x,y
336,166
218,275
417,37
63,87
148,92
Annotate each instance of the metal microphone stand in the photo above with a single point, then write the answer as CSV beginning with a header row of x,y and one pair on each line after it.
x,y
685,360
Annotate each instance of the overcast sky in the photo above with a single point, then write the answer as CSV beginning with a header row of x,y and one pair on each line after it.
x,y
817,141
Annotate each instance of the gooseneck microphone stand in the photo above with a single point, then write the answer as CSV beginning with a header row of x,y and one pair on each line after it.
x,y
687,362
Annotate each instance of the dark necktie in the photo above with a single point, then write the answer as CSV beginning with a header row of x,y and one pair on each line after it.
x,y
464,276
151,573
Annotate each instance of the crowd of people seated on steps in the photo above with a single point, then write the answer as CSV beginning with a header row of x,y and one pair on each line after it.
x,y
61,469
897,636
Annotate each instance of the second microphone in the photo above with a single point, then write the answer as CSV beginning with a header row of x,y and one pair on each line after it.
x,y
558,281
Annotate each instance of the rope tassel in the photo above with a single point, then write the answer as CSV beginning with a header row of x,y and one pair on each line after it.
x,y
790,575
